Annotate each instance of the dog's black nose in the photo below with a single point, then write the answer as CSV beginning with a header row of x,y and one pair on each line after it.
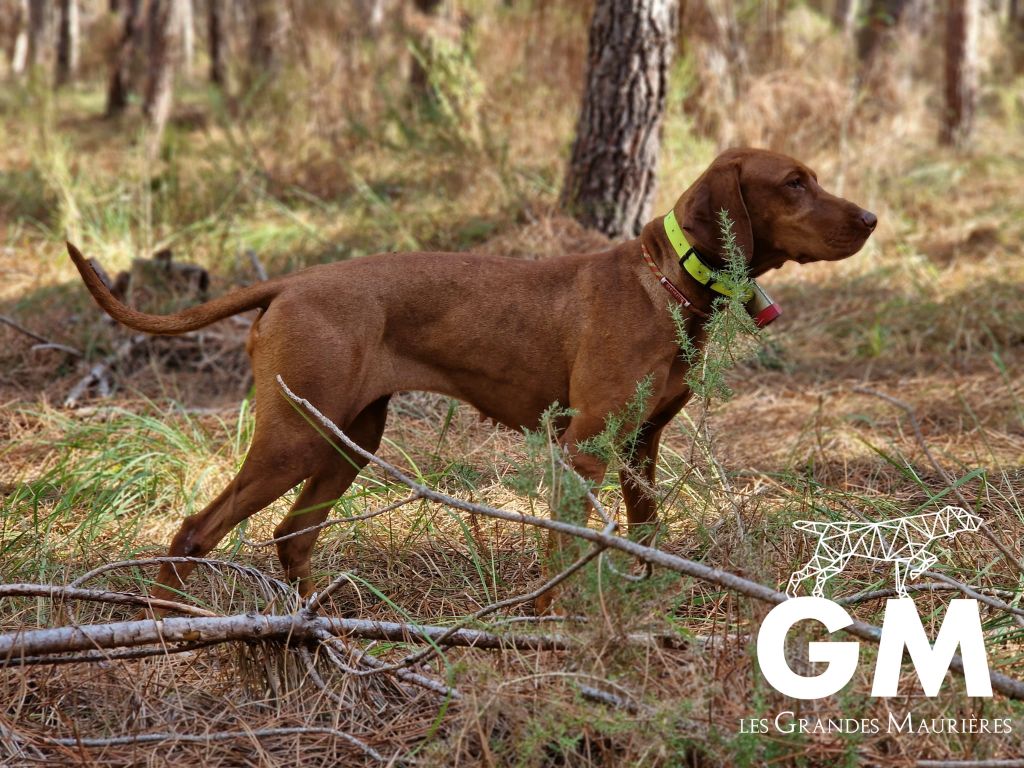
x,y
869,219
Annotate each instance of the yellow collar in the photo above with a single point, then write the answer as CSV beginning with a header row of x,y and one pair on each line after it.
x,y
689,259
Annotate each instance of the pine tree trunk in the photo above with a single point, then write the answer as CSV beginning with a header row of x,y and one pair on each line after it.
x,y
38,33
961,72
844,16
19,38
164,55
188,38
610,181
1015,20
129,49
68,42
269,32
217,36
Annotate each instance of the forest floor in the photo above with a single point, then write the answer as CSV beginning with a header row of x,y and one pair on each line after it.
x,y
929,313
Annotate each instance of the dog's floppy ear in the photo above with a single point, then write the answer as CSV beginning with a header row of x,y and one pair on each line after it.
x,y
716,190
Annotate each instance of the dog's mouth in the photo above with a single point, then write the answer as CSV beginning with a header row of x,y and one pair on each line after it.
x,y
836,249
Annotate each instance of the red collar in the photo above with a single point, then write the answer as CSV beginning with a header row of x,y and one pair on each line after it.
x,y
669,286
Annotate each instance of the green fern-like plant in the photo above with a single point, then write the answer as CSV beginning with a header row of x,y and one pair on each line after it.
x,y
730,335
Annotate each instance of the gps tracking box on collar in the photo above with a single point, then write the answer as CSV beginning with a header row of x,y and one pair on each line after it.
x,y
759,304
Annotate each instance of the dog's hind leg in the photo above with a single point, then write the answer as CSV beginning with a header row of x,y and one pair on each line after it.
x,y
277,461
322,489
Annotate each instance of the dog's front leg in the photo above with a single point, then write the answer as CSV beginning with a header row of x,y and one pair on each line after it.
x,y
591,468
638,482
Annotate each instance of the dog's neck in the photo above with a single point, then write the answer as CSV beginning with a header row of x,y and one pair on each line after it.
x,y
669,258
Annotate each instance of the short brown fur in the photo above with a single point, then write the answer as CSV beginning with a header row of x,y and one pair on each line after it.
x,y
510,337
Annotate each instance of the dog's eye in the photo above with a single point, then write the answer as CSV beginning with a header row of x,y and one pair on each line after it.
x,y
795,184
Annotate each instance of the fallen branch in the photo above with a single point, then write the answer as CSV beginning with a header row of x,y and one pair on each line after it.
x,y
98,373
298,626
44,343
1005,685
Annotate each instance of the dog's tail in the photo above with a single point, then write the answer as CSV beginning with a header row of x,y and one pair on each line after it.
x,y
252,297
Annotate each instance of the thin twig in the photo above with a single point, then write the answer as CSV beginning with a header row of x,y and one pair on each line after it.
x,y
97,596
270,587
337,521
410,677
554,581
257,265
604,697
318,681
540,620
93,657
362,657
317,599
44,343
981,597
58,347
882,594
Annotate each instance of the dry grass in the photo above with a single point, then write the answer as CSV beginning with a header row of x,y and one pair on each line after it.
x,y
929,313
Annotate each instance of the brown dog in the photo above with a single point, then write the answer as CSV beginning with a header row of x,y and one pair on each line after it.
x,y
510,337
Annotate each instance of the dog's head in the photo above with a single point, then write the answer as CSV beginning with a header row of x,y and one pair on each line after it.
x,y
779,212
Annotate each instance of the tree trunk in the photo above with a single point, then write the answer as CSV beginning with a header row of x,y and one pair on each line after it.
x,y
67,42
1015,20
19,38
269,32
129,49
844,16
883,18
38,29
610,181
217,38
164,53
961,72
188,37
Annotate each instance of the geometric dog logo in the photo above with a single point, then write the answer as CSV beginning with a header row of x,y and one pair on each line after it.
x,y
902,541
